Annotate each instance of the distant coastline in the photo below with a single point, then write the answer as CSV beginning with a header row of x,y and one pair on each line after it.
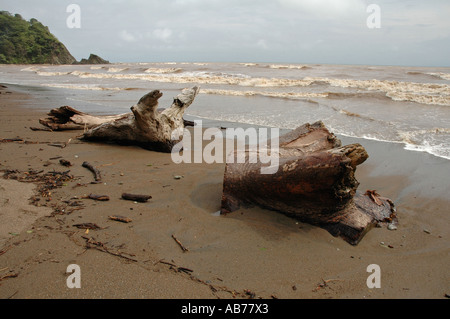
x,y
30,42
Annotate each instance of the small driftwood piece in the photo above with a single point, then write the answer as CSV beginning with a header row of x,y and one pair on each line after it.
x,y
9,140
87,226
184,249
97,174
65,162
315,183
92,243
136,197
119,218
146,126
176,268
102,198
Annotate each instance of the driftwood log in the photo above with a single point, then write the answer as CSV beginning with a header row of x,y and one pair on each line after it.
x,y
315,183
145,126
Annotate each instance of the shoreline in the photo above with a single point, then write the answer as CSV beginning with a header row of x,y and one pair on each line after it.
x,y
252,249
206,122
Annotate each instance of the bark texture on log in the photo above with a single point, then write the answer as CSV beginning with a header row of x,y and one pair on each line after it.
x,y
145,126
315,183
68,118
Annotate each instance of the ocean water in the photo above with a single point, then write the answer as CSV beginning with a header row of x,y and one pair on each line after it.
x,y
408,105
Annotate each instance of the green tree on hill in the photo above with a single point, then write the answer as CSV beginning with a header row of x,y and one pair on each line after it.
x,y
29,42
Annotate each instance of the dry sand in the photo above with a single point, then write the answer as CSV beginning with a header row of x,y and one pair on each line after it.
x,y
251,251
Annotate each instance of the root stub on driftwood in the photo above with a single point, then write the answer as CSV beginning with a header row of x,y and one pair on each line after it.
x,y
145,126
315,183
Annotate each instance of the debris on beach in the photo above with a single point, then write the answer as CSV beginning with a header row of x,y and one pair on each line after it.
x,y
46,181
184,249
313,181
92,243
87,226
10,140
145,126
7,276
119,218
101,198
97,175
392,226
136,197
324,284
64,162
177,268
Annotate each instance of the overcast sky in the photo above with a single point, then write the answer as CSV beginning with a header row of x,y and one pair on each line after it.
x,y
412,32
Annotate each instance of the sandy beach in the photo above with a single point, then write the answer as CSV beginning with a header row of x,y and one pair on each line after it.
x,y
252,252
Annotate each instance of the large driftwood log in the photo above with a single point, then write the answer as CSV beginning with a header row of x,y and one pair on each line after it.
x,y
315,183
146,125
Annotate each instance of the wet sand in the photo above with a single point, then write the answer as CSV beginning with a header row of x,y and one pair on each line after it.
x,y
251,252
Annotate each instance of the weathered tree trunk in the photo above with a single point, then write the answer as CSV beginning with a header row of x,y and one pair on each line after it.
x,y
315,183
145,126
68,118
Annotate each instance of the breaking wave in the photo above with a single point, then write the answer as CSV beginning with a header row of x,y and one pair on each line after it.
x,y
86,87
30,69
284,95
444,76
288,66
163,70
116,70
46,73
424,93
435,141
438,75
352,101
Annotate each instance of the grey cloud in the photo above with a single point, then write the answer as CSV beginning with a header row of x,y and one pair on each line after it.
x,y
303,31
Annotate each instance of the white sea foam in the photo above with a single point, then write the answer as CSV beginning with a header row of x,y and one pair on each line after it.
x,y
285,95
444,76
288,66
47,73
30,69
85,87
435,141
413,137
163,70
425,93
116,70
351,105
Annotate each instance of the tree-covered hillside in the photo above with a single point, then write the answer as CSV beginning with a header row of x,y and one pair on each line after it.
x,y
25,42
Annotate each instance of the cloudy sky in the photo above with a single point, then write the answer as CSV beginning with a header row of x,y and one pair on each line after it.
x,y
411,32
